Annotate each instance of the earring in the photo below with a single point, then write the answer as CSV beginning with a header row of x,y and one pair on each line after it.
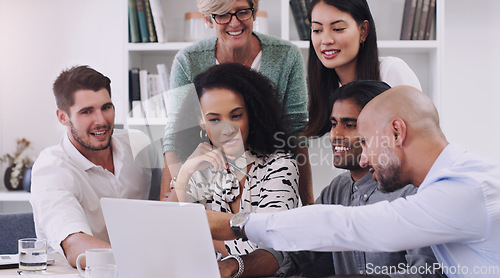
x,y
203,134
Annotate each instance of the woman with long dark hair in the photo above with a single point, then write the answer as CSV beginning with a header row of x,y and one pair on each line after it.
x,y
343,48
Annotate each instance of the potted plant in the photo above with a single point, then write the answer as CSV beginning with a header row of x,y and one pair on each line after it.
x,y
19,167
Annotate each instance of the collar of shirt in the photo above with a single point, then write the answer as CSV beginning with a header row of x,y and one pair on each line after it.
x,y
445,159
82,162
255,64
245,159
366,185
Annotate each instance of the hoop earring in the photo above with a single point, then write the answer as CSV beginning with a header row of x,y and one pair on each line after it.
x,y
203,134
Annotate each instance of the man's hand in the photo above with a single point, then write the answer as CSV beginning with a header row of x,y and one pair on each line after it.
x,y
219,225
78,243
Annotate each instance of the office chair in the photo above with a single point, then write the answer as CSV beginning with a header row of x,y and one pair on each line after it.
x,y
14,226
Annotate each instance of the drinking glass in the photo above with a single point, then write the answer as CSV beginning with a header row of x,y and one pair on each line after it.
x,y
32,254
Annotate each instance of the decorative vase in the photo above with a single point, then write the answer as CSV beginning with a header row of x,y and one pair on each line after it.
x,y
6,180
26,181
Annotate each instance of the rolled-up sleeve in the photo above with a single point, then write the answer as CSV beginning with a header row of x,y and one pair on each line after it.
x,y
56,208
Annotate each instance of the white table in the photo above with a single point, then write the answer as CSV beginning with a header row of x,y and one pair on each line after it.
x,y
60,269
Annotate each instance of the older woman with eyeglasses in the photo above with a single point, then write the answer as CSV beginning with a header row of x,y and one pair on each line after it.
x,y
235,42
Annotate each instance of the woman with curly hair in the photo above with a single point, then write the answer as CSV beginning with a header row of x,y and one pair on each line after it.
x,y
241,161
236,42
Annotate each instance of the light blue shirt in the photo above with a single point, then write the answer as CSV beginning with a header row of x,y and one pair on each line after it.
x,y
456,211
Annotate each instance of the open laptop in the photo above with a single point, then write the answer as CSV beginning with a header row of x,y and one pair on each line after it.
x,y
160,239
12,261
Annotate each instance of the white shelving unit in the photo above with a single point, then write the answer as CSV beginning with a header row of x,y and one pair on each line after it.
x,y
424,57
14,202
14,196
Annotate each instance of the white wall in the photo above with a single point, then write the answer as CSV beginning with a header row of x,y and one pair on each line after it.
x,y
37,40
470,111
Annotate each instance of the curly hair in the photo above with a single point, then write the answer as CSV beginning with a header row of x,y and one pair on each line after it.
x,y
265,114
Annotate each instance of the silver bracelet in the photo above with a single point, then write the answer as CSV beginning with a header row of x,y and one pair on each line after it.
x,y
241,265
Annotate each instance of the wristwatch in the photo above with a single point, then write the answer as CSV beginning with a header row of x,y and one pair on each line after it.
x,y
237,223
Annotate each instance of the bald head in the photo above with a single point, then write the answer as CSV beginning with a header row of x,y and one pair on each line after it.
x,y
406,103
401,137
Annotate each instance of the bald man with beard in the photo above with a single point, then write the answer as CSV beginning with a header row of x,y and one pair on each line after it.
x,y
456,209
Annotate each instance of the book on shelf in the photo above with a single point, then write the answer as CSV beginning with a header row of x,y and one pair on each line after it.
x,y
146,94
163,77
304,7
143,84
149,19
153,85
430,19
308,4
143,23
156,100
158,20
416,20
300,17
408,18
423,19
133,24
134,90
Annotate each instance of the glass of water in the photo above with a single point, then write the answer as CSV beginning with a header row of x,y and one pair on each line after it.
x,y
32,254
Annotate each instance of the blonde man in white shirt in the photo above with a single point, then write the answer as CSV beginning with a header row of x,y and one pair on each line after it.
x,y
90,162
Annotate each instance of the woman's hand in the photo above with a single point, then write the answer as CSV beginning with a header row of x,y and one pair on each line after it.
x,y
204,156
228,267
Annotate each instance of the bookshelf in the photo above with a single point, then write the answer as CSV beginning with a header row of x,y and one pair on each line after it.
x,y
424,57
14,202
14,196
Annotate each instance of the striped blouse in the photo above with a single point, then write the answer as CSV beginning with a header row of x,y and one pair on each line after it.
x,y
271,185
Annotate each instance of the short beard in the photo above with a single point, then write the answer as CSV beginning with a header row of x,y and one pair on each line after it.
x,y
85,145
389,177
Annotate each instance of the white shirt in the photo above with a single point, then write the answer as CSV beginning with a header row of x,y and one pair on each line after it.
x,y
255,64
66,187
456,211
396,72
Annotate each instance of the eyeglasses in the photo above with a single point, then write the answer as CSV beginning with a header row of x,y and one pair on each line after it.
x,y
241,15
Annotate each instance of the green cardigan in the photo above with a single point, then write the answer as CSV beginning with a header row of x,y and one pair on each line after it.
x,y
281,62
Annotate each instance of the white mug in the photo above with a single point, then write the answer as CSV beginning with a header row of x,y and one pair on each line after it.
x,y
101,271
98,256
